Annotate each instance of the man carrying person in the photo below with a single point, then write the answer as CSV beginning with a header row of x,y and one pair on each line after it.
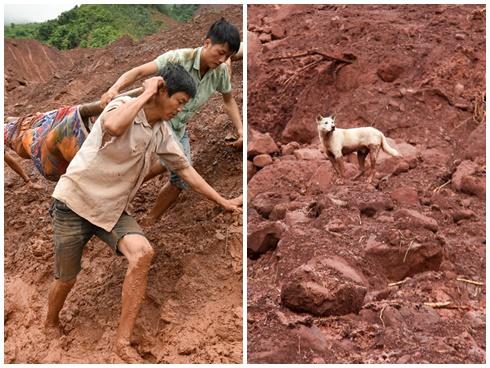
x,y
92,197
207,66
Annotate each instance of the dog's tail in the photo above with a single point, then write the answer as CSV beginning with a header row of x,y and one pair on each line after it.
x,y
386,147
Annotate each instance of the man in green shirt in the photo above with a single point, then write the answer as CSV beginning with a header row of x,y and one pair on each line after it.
x,y
207,66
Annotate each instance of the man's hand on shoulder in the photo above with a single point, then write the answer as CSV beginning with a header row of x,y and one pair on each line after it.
x,y
107,97
151,85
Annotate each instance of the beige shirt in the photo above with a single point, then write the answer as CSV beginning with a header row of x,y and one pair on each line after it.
x,y
103,177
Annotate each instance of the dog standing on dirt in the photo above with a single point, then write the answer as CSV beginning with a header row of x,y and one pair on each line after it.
x,y
340,142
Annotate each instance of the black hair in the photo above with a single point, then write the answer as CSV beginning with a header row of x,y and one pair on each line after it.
x,y
177,79
222,32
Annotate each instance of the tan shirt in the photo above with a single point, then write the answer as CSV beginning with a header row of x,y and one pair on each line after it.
x,y
103,177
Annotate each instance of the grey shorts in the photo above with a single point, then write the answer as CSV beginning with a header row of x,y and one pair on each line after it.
x,y
174,178
71,233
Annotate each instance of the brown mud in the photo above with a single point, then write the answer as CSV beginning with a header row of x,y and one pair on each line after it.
x,y
192,311
391,272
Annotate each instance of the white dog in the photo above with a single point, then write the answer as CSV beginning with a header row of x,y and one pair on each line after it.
x,y
340,142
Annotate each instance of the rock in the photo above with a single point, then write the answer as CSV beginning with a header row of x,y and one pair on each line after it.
x,y
300,128
473,185
476,144
389,72
458,89
371,207
399,263
289,148
295,217
263,237
263,203
434,157
459,36
405,196
336,226
280,210
324,287
308,154
265,37
260,143
254,46
322,179
251,170
262,160
282,176
465,168
277,31
312,338
462,214
411,219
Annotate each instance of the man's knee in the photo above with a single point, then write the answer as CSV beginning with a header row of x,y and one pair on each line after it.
x,y
137,249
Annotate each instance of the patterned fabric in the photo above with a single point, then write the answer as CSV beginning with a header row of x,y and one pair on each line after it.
x,y
50,139
214,80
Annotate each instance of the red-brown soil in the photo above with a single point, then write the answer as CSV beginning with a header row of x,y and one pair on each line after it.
x,y
411,246
192,312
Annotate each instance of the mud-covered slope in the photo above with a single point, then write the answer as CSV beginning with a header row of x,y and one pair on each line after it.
x,y
192,312
388,272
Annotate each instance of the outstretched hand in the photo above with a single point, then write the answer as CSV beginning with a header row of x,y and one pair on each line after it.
x,y
234,204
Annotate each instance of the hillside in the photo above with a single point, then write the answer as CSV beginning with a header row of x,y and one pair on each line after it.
x,y
388,272
98,25
192,312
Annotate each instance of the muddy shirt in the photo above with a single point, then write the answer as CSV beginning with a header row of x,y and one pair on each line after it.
x,y
106,172
214,80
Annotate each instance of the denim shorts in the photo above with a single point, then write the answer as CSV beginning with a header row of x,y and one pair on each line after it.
x,y
71,233
174,178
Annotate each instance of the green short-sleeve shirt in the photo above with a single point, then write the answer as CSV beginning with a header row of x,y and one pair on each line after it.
x,y
214,80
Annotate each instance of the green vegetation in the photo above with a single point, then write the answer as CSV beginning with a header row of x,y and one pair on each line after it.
x,y
99,25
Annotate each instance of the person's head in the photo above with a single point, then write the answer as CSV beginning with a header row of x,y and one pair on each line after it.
x,y
178,90
222,41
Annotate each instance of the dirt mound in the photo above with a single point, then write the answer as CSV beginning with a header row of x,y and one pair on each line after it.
x,y
29,62
192,312
417,234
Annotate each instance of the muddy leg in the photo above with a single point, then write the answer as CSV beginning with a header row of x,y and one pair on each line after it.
x,y
166,198
156,168
361,158
139,253
57,296
373,156
340,164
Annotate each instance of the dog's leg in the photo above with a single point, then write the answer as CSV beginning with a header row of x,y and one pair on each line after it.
x,y
361,157
336,167
373,156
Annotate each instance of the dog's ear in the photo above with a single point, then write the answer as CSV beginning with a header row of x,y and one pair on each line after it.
x,y
319,118
334,116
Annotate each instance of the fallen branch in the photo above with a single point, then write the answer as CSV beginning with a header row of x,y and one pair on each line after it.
x,y
315,52
398,283
470,281
406,253
441,186
438,304
381,316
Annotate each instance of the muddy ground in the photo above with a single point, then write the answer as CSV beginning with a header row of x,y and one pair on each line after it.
x,y
388,272
192,312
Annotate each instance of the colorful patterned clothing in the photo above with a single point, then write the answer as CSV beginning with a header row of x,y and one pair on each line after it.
x,y
50,139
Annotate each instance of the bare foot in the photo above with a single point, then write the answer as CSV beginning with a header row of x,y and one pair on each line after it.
x,y
53,330
148,221
127,353
35,186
